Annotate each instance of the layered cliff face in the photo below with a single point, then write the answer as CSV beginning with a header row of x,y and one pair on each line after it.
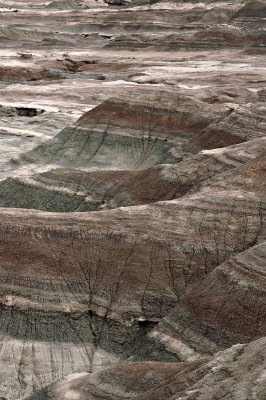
x,y
227,307
133,200
237,371
65,189
86,295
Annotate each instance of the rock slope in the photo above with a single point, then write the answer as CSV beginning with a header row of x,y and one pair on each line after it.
x,y
237,371
133,200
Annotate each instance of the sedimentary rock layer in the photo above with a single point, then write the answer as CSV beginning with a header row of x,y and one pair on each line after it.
x,y
132,187
237,371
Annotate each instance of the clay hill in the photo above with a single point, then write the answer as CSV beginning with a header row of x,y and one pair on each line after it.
x,y
132,200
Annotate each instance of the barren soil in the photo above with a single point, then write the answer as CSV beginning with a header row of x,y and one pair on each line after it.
x,y
132,200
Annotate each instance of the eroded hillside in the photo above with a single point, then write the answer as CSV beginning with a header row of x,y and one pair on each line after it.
x,y
133,200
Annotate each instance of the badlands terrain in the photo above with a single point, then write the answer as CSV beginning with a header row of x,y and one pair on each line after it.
x,y
132,200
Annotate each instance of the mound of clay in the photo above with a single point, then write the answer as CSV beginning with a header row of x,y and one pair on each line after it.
x,y
132,200
252,9
64,5
239,370
65,190
228,307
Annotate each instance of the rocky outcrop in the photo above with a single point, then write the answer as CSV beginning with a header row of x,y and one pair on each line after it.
x,y
23,74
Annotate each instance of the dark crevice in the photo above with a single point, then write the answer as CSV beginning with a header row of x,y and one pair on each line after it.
x,y
28,112
147,325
